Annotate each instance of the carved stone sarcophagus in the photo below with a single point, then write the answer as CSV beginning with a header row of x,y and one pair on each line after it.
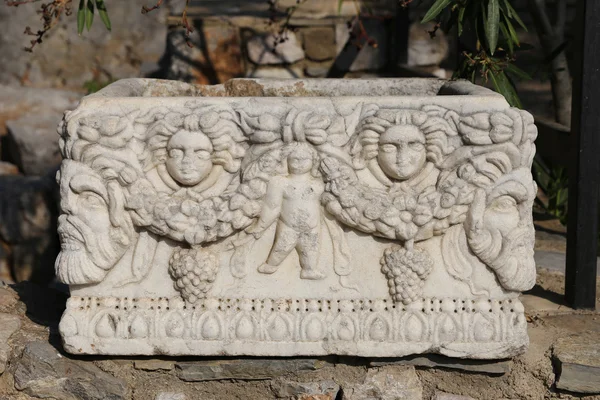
x,y
379,217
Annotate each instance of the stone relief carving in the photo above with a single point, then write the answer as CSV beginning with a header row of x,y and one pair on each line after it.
x,y
225,197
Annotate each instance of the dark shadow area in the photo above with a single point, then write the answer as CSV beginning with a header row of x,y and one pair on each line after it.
x,y
44,305
548,230
549,295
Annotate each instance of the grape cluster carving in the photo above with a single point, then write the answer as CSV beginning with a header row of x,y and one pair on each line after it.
x,y
406,272
193,272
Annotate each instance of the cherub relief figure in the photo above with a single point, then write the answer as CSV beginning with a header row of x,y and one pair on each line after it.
x,y
293,201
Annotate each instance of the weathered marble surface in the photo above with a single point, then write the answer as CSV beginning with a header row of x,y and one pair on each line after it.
x,y
367,217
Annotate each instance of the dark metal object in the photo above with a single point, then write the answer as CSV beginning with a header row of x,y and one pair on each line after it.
x,y
584,171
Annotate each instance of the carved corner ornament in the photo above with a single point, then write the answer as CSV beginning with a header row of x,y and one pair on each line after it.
x,y
327,220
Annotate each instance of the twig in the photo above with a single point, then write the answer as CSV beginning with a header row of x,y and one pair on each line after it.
x,y
146,10
184,20
51,13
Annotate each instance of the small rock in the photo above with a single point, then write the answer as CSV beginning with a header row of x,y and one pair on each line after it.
x,y
170,396
325,390
8,298
577,359
9,324
319,44
30,117
449,396
276,73
217,45
424,50
262,49
316,72
369,58
491,367
154,365
250,369
8,168
386,384
33,142
43,372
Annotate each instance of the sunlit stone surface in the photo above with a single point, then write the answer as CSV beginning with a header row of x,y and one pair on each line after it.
x,y
276,218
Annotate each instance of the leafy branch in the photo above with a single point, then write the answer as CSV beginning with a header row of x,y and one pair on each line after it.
x,y
492,25
52,11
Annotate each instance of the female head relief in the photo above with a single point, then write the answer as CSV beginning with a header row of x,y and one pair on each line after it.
x,y
189,156
402,142
402,152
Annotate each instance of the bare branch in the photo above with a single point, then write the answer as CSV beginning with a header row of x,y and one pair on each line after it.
x,y
146,10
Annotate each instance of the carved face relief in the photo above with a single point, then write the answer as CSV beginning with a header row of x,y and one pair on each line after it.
x,y
502,235
189,157
300,161
91,243
402,152
505,213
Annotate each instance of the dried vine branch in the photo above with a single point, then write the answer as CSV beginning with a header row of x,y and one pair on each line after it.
x,y
189,29
51,13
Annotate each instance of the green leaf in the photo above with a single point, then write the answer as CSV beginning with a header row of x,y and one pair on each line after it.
x,y
81,17
504,86
512,69
435,10
508,8
562,197
514,15
89,14
461,16
492,24
339,8
508,38
511,30
103,13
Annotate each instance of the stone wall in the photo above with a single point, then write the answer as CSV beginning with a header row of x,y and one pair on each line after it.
x,y
132,48
234,40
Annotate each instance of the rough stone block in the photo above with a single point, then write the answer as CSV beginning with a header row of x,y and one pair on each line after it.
x,y
154,365
325,390
9,324
291,72
316,72
369,57
43,372
273,49
170,396
424,50
367,217
386,384
435,361
577,359
449,396
29,116
248,369
319,43
215,56
32,141
8,168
